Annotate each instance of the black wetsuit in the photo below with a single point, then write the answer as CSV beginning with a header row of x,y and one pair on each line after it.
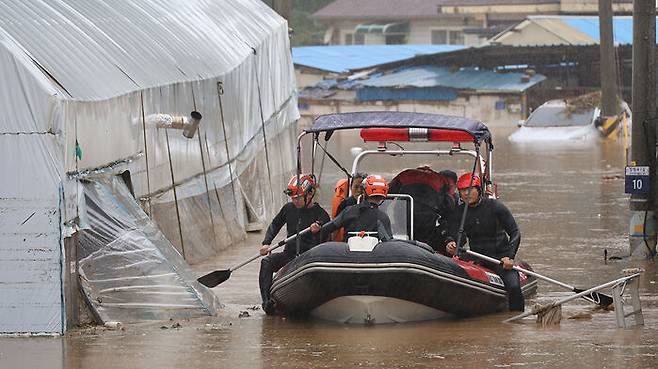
x,y
492,231
362,217
345,203
296,220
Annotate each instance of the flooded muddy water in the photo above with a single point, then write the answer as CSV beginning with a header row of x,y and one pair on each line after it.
x,y
570,207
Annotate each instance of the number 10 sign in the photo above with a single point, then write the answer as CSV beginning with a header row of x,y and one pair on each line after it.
x,y
637,180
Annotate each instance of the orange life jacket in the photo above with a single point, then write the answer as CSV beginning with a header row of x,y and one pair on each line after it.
x,y
341,191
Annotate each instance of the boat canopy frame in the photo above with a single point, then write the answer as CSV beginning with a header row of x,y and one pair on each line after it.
x,y
393,119
445,128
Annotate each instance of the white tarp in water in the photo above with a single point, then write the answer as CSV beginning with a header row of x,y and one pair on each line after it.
x,y
80,78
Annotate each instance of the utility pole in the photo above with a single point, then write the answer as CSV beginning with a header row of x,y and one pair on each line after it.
x,y
607,65
643,142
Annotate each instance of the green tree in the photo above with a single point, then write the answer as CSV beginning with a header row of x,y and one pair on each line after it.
x,y
305,30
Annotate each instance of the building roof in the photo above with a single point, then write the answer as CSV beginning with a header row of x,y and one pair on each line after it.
x,y
412,9
341,59
575,30
380,9
100,49
461,79
463,3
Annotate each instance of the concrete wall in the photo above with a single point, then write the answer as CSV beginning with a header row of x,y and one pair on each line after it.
x,y
306,77
530,34
591,6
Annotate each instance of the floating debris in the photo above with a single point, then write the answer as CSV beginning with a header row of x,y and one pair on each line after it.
x,y
176,325
113,325
581,316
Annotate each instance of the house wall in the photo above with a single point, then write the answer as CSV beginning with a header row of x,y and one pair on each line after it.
x,y
474,40
531,34
502,9
419,31
345,27
591,6
306,77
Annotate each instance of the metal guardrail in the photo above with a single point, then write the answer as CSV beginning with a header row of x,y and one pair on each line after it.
x,y
631,279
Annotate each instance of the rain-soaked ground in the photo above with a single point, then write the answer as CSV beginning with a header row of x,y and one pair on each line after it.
x,y
570,206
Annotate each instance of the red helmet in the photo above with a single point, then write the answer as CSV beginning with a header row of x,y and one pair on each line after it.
x,y
305,185
375,185
465,180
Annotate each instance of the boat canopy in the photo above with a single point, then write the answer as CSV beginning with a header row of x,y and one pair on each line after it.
x,y
379,119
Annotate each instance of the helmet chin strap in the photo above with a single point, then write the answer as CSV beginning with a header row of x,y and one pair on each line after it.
x,y
308,198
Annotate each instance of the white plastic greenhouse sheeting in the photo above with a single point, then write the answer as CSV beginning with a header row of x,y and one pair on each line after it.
x,y
128,270
89,72
30,234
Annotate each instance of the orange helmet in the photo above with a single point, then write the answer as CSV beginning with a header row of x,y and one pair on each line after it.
x,y
465,180
305,185
375,185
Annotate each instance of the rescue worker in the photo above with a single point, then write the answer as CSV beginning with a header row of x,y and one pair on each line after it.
x,y
366,216
300,213
355,191
492,231
451,177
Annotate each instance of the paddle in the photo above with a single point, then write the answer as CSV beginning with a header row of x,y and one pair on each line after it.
x,y
212,279
593,296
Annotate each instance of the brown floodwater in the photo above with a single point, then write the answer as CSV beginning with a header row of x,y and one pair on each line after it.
x,y
570,206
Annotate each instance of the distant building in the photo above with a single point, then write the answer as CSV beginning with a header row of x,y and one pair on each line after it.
x,y
454,22
544,30
316,63
495,97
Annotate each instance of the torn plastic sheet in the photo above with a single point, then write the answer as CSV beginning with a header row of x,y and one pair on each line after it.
x,y
129,271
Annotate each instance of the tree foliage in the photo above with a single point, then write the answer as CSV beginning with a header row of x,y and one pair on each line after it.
x,y
305,30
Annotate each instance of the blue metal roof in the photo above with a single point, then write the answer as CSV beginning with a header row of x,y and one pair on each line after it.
x,y
464,78
622,26
341,59
409,93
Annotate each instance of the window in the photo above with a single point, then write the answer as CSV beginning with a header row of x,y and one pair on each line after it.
x,y
396,39
359,39
439,37
349,38
456,38
445,37
552,114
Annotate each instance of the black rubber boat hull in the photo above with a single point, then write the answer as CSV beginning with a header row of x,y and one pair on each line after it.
x,y
396,270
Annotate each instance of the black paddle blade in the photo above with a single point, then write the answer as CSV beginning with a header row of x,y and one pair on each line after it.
x,y
212,279
596,297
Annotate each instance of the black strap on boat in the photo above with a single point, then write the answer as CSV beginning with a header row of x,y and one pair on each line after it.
x,y
299,222
382,232
460,234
